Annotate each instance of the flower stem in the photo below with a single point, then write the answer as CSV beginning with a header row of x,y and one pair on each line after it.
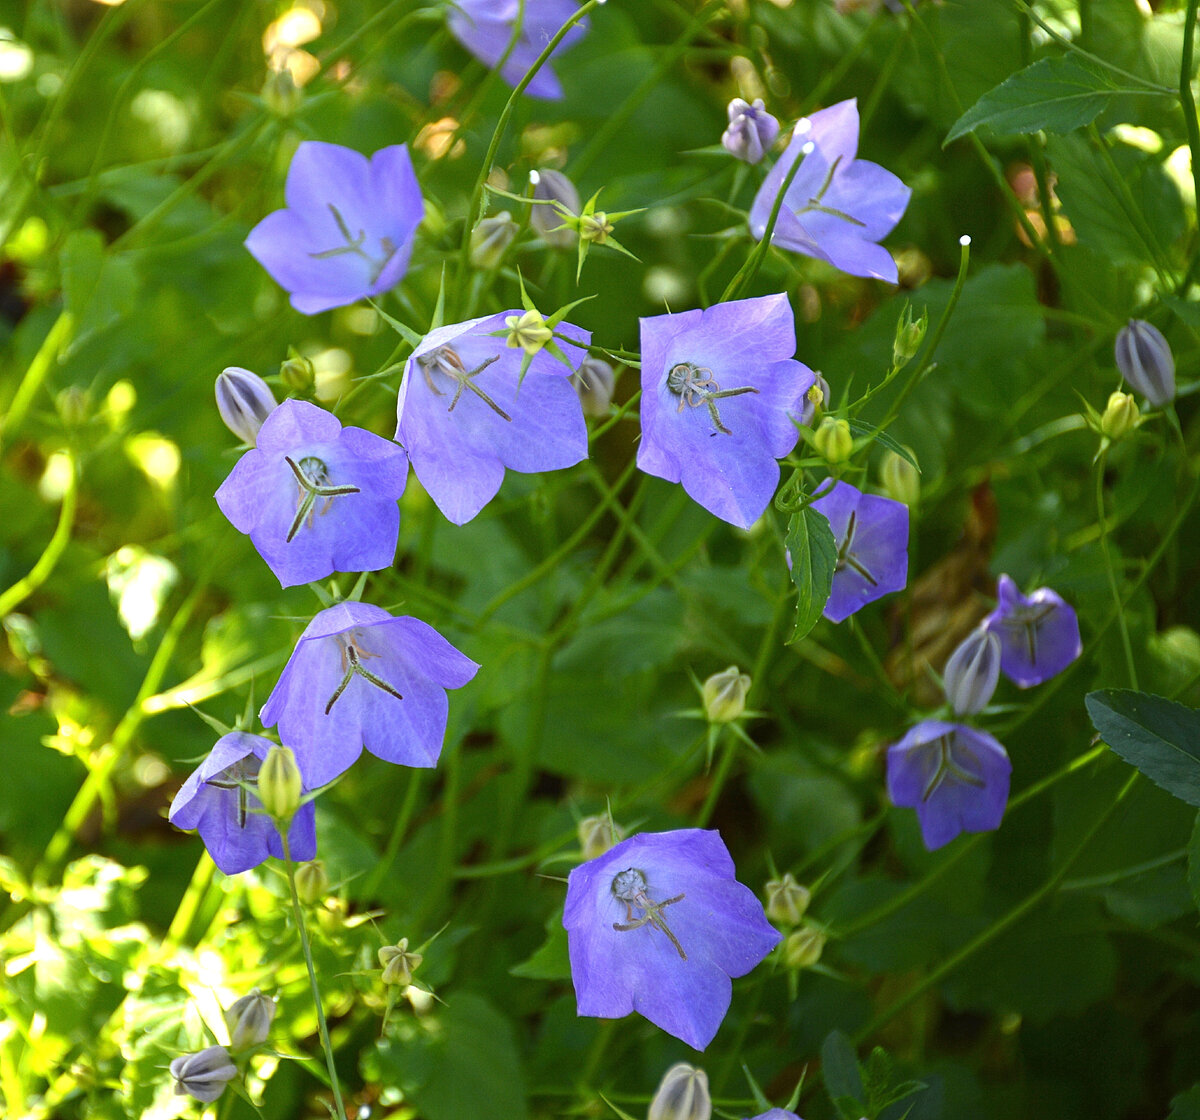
x,y
298,914
40,572
1122,624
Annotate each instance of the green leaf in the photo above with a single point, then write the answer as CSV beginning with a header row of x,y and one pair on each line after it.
x,y
1054,94
1193,863
1158,736
813,552
549,961
860,428
1186,1106
839,1064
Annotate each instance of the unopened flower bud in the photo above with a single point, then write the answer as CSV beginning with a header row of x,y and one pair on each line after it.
x,y
803,948
910,333
751,132
816,400
972,672
725,695
901,480
203,1075
244,401
398,963
597,835
595,227
249,1021
312,883
786,900
298,374
528,331
593,381
553,185
1120,417
833,440
1146,362
490,239
682,1094
280,784
280,93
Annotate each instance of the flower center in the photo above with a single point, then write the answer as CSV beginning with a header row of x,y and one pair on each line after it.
x,y
312,476
695,385
237,777
354,246
630,886
948,768
847,559
445,360
353,654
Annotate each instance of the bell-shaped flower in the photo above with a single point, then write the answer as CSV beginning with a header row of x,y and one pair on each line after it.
x,y
464,413
658,924
837,207
955,776
751,132
489,30
204,1074
1039,633
347,231
316,498
872,543
360,677
973,671
720,389
1145,360
219,801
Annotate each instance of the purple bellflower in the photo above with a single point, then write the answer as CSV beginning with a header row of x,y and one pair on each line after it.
x,y
487,27
1039,633
315,497
362,677
204,1074
216,802
658,924
464,414
872,542
837,207
954,776
720,389
347,231
751,132
777,1114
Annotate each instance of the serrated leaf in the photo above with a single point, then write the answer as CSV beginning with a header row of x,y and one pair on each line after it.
x,y
1158,736
1054,94
813,554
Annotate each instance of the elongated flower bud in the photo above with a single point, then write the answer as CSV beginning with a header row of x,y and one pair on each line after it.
x,y
593,381
1120,416
553,185
244,401
280,784
249,1021
490,239
725,695
972,672
682,1094
1146,362
751,132
312,882
203,1075
901,480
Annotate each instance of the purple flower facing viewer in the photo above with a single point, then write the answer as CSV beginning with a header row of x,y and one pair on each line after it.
x,y
216,802
954,776
837,207
486,28
464,414
316,498
1039,633
720,389
658,924
751,132
872,543
347,231
362,677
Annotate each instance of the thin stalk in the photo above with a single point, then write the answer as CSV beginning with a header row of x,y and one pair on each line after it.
x,y
1122,623
1186,101
40,572
57,339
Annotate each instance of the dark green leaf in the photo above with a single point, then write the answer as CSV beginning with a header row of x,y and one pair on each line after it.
x,y
839,1063
1186,1106
1193,863
813,553
860,428
1158,736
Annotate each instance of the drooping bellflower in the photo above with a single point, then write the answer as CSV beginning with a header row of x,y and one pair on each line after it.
x,y
956,777
720,389
219,802
658,924
347,230
1039,633
872,543
362,677
488,28
204,1074
837,207
464,414
316,498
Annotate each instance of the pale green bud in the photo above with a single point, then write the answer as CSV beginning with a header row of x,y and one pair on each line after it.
x,y
596,835
528,331
249,1021
298,374
725,695
901,480
398,963
490,239
595,227
682,1094
312,883
833,440
1120,417
910,333
280,93
280,784
787,900
803,948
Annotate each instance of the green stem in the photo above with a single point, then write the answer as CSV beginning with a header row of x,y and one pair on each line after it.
x,y
1122,623
40,572
1186,101
298,915
56,340
396,839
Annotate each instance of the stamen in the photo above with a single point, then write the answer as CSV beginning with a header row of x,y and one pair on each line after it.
x,y
312,475
695,385
352,654
947,767
630,887
446,360
846,559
